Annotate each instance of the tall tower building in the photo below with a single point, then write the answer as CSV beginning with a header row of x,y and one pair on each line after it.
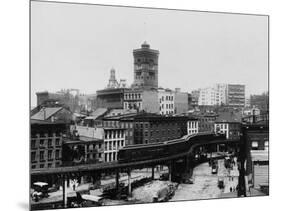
x,y
145,67
112,82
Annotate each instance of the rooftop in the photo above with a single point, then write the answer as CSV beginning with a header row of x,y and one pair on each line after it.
x,y
45,113
230,117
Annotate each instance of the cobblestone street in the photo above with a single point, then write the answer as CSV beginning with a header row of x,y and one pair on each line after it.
x,y
206,184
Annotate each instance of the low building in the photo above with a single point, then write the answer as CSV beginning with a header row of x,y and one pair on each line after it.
x,y
110,98
46,143
113,138
82,150
228,123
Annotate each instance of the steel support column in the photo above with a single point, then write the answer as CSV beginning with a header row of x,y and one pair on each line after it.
x,y
117,180
170,171
129,183
64,190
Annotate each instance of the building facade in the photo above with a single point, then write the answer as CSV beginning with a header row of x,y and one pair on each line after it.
x,y
214,95
166,99
182,102
114,139
110,98
229,124
192,126
151,128
236,95
206,122
141,100
46,144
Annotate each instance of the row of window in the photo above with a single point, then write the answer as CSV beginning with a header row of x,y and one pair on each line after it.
x,y
114,134
189,132
45,142
192,124
46,135
167,98
166,112
42,155
134,105
221,126
117,124
255,145
132,96
48,165
110,156
157,132
156,124
147,77
113,145
93,146
168,106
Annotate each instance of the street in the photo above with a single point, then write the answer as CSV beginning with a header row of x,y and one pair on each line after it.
x,y
206,184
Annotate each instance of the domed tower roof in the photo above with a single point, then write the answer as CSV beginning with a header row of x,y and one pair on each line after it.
x,y
145,45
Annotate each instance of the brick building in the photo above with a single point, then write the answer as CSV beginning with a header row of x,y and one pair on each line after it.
x,y
206,122
46,143
152,128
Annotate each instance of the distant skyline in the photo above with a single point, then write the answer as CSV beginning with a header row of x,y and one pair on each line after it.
x,y
75,46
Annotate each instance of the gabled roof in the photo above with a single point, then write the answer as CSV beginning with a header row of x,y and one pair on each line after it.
x,y
45,113
97,113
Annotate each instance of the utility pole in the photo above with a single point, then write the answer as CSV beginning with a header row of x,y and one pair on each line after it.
x,y
241,161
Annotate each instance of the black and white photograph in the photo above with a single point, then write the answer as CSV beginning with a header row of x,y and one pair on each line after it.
x,y
136,105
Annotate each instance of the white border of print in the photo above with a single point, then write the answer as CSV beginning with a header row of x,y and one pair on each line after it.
x,y
14,52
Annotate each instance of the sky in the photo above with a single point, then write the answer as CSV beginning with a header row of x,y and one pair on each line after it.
x,y
76,45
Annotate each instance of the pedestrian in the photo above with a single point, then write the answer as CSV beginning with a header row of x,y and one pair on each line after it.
x,y
230,189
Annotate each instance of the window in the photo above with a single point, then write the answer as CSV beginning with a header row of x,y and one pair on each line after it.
x,y
33,166
33,156
33,142
57,141
57,154
266,145
41,166
41,155
49,165
41,142
254,145
49,142
49,154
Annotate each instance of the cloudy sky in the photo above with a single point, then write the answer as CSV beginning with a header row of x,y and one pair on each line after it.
x,y
75,46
